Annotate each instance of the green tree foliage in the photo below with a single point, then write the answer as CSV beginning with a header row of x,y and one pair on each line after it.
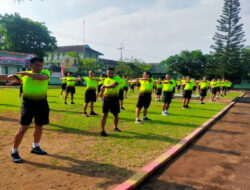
x,y
245,63
24,35
187,63
132,68
229,40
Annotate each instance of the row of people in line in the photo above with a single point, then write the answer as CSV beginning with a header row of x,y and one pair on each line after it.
x,y
35,105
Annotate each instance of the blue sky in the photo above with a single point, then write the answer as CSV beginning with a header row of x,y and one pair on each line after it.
x,y
150,30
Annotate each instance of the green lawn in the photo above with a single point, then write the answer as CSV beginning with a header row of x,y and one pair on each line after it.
x,y
137,144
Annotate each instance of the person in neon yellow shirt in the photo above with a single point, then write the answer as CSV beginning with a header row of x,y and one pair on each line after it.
x,y
110,94
218,88
34,105
71,80
121,92
144,98
158,90
187,94
100,83
183,82
126,85
167,93
203,89
63,86
213,90
90,93
178,83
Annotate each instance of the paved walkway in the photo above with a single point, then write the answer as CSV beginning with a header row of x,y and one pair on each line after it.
x,y
220,159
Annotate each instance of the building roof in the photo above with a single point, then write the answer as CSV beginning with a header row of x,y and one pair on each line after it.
x,y
76,48
108,62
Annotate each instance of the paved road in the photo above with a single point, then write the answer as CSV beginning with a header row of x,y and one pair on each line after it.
x,y
220,159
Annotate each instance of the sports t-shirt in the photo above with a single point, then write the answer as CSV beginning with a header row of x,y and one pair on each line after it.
x,y
102,80
91,84
146,86
203,85
159,86
222,83
168,86
126,83
34,89
217,84
188,86
122,84
70,83
178,83
112,92
174,82
213,84
183,82
64,81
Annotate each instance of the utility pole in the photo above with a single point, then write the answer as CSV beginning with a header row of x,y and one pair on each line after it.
x,y
83,39
121,48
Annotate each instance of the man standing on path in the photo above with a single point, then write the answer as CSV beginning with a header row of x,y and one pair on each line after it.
x,y
110,94
144,98
34,105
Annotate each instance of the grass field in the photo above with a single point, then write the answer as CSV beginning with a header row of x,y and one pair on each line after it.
x,y
135,146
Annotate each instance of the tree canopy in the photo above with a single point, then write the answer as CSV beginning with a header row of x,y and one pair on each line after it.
x,y
24,35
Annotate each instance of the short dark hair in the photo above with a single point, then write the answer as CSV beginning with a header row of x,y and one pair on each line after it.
x,y
110,68
148,73
36,59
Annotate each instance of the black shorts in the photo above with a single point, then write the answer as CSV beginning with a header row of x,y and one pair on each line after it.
x,y
126,88
39,110
187,94
213,90
21,88
132,86
99,88
111,105
63,86
90,96
144,100
121,94
203,92
178,87
158,91
194,88
167,97
218,89
173,90
223,88
70,89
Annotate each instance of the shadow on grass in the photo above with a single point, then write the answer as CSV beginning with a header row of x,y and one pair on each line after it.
x,y
8,119
10,105
121,135
84,168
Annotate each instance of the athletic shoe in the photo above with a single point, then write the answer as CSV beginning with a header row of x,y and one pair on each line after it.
x,y
103,134
16,158
167,112
187,107
65,103
146,119
72,102
138,121
92,113
202,103
122,108
38,150
116,129
184,107
85,114
164,113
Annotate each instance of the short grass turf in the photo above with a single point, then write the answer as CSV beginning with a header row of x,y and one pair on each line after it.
x,y
137,144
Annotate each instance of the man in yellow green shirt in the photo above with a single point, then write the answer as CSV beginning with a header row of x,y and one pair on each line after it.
x,y
90,93
144,98
34,105
203,85
110,94
63,86
167,94
126,85
213,87
71,80
158,90
100,83
187,94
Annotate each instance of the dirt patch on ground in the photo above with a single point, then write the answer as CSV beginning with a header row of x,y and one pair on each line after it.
x,y
220,159
65,167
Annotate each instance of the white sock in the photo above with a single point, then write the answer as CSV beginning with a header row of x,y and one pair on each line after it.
x,y
14,150
34,145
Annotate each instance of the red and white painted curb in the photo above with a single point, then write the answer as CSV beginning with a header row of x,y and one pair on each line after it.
x,y
147,170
